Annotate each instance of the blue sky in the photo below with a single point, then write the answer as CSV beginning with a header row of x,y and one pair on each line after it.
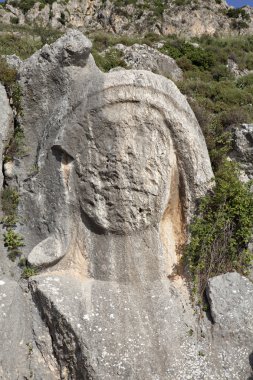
x,y
240,3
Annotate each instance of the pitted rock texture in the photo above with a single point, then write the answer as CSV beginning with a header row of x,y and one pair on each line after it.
x,y
120,162
6,126
20,357
243,150
143,57
137,17
111,333
112,151
230,297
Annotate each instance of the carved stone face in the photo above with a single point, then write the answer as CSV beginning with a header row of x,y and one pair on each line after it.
x,y
124,167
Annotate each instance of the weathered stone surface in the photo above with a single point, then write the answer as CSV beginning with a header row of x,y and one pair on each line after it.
x,y
206,17
20,356
235,70
114,165
6,125
13,61
106,330
231,302
15,331
120,160
143,57
243,150
97,140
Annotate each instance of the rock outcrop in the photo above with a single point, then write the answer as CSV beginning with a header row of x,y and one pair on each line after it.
x,y
243,150
208,17
143,57
6,126
114,165
231,303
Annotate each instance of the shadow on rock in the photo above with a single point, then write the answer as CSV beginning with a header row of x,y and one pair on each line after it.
x,y
251,364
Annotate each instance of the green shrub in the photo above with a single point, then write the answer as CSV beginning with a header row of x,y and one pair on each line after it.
x,y
222,230
110,59
16,147
182,2
13,241
245,82
198,56
239,24
238,13
7,74
9,201
29,271
14,20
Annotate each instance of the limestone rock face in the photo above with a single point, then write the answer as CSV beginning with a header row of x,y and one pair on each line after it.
x,y
15,333
113,167
243,150
146,58
6,125
20,357
231,303
206,17
115,153
120,161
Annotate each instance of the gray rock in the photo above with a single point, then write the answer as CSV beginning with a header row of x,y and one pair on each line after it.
x,y
115,163
143,57
15,331
13,61
6,125
189,19
120,161
243,150
21,357
231,302
116,330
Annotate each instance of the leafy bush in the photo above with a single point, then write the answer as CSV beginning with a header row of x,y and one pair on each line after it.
x,y
239,24
182,2
13,241
110,59
14,20
26,5
238,13
196,55
7,74
29,271
9,201
245,82
222,230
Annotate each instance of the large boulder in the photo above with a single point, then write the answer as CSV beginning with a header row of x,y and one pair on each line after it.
x,y
243,150
114,166
120,161
143,57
